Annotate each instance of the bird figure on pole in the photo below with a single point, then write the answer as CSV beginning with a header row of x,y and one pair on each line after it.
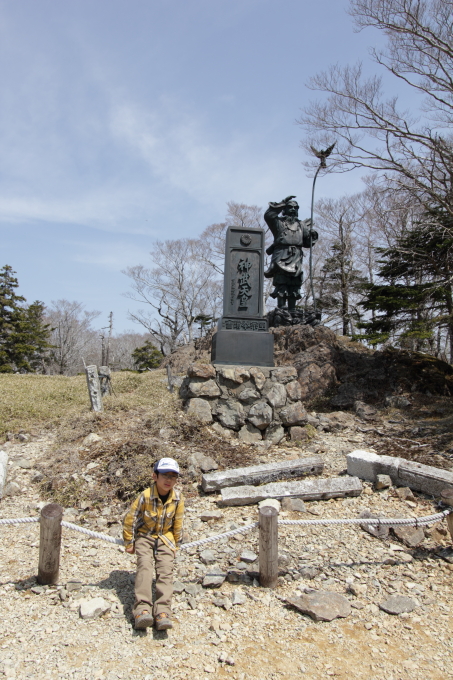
x,y
322,155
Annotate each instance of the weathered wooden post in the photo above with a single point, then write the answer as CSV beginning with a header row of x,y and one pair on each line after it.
x,y
94,388
447,498
268,551
49,544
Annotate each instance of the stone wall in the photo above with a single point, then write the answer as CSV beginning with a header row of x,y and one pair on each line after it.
x,y
254,403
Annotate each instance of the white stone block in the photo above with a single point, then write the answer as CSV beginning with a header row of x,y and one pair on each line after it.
x,y
368,465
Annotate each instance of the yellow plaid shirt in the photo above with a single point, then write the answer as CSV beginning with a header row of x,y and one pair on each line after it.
x,y
148,516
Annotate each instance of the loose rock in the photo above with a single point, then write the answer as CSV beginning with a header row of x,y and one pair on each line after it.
x,y
398,604
92,609
322,605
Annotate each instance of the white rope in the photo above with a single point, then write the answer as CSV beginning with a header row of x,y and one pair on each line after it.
x,y
227,534
411,521
184,546
19,520
93,534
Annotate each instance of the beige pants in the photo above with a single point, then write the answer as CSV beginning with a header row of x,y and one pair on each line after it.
x,y
147,552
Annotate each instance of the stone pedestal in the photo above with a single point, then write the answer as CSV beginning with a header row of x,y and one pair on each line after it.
x,y
244,348
251,402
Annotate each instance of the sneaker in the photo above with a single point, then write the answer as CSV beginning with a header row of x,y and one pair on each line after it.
x,y
143,620
163,622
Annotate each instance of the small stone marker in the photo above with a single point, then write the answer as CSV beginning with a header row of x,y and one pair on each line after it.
x,y
322,605
3,469
398,604
262,474
317,489
94,388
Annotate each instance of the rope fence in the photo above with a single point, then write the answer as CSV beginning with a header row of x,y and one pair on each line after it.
x,y
51,521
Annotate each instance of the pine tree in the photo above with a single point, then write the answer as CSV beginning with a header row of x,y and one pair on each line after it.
x,y
23,333
146,356
416,293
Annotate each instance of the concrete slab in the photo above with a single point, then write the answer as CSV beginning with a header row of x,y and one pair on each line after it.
x,y
308,490
425,478
262,474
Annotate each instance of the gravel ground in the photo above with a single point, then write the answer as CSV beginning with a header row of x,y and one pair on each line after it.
x,y
43,635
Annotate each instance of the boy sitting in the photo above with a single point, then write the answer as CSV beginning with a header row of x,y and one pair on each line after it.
x,y
153,528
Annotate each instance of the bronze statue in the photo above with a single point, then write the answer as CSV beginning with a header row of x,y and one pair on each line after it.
x,y
290,236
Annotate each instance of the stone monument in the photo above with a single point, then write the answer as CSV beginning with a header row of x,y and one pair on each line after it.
x,y
243,336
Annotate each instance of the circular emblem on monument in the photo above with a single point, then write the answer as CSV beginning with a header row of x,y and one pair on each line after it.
x,y
246,239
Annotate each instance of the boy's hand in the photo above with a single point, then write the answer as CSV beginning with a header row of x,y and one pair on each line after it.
x,y
130,549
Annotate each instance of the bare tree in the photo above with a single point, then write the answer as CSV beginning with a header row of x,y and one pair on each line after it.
x,y
72,335
411,152
213,237
340,275
121,348
179,288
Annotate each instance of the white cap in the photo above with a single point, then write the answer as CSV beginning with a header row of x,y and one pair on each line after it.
x,y
166,465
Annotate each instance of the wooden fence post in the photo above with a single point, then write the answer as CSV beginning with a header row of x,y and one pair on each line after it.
x,y
49,544
268,550
94,388
447,498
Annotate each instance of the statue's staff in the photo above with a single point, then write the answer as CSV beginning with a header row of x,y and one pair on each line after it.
x,y
322,155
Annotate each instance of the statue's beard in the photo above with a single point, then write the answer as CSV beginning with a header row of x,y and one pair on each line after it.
x,y
291,218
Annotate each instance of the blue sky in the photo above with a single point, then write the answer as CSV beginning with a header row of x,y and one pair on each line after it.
x,y
125,122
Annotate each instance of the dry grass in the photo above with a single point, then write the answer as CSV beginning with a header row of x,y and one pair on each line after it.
x,y
38,402
140,423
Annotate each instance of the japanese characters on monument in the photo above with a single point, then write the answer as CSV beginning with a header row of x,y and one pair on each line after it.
x,y
243,334
243,292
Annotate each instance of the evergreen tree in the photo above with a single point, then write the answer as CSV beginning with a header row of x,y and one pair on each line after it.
x,y
146,356
23,333
416,293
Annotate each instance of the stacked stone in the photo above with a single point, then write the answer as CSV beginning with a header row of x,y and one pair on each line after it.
x,y
256,403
